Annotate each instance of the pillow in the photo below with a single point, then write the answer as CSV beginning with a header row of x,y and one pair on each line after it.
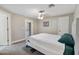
x,y
67,39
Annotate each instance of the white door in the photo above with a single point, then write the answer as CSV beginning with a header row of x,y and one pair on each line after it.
x,y
63,25
3,29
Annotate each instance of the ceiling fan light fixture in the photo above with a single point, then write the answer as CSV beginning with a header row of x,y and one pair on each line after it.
x,y
51,5
41,16
41,11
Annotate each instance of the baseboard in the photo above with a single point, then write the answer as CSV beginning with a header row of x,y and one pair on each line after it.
x,y
18,41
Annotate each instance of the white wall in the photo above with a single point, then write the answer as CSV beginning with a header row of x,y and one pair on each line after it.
x,y
53,24
52,28
35,26
18,27
76,29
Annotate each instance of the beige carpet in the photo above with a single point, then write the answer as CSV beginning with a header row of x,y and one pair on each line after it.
x,y
18,49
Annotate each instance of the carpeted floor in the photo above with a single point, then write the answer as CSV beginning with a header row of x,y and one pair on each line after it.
x,y
18,49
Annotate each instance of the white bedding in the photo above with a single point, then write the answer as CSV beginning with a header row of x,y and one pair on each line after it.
x,y
47,43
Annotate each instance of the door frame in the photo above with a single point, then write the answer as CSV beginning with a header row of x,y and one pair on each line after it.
x,y
29,21
8,26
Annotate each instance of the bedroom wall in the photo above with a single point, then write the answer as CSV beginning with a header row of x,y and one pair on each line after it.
x,y
52,28
18,27
71,19
53,25
35,26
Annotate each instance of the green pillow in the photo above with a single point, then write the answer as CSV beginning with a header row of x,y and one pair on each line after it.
x,y
67,39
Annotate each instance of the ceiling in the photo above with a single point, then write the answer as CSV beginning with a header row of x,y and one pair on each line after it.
x,y
31,10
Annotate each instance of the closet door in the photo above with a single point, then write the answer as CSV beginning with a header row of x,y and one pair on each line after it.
x,y
63,25
3,29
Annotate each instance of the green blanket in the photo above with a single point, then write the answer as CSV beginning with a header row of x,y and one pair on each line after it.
x,y
68,40
68,50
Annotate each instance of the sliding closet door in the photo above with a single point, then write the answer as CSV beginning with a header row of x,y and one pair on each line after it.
x,y
63,25
3,29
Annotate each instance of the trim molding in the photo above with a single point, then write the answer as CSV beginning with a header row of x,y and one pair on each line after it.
x,y
18,41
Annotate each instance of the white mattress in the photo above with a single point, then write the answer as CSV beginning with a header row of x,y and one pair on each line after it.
x,y
47,43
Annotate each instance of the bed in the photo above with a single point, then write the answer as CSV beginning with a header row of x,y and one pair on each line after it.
x,y
46,43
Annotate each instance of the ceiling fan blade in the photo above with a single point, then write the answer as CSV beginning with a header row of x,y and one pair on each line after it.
x,y
41,11
51,5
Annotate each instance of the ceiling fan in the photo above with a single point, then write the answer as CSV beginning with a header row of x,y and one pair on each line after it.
x,y
42,12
